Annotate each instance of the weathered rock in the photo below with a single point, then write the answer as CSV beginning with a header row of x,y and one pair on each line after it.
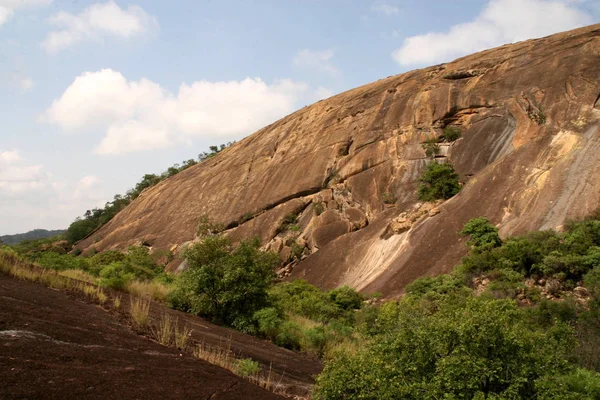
x,y
325,234
356,217
528,157
285,254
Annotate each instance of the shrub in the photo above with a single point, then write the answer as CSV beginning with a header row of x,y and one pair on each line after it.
x,y
301,298
269,321
207,227
450,134
431,148
224,283
318,208
388,198
115,276
482,349
346,298
439,181
246,367
484,235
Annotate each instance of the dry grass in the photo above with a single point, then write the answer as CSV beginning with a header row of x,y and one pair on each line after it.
x,y
117,302
182,337
164,333
78,275
154,290
224,358
139,311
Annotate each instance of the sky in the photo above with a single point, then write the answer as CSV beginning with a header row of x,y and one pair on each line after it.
x,y
95,94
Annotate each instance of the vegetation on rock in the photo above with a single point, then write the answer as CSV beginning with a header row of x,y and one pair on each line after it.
x,y
439,181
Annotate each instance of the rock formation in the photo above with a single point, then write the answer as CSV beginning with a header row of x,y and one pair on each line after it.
x,y
332,187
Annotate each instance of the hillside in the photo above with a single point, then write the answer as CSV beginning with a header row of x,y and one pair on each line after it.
x,y
31,235
348,168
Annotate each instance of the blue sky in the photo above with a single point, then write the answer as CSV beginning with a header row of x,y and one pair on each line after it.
x,y
97,93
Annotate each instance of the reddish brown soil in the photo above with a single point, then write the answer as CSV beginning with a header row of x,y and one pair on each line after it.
x,y
55,347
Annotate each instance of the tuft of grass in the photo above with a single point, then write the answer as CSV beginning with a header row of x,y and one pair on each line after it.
x,y
164,333
318,208
117,302
149,289
182,337
139,311
247,367
388,198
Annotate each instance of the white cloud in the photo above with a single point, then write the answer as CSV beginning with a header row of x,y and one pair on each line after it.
x,y
500,22
9,156
95,22
8,7
141,115
319,60
16,175
385,8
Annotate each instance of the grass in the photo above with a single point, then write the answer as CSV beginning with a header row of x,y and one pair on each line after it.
x,y
78,275
182,337
148,289
117,302
164,332
139,311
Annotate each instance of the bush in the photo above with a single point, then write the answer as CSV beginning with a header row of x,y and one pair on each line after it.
x,y
247,367
346,298
301,298
227,284
484,235
484,349
439,181
269,321
431,148
116,275
451,134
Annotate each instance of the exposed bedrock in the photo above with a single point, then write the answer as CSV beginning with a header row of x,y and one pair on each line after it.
x,y
326,185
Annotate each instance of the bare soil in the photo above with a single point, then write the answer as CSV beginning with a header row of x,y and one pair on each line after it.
x,y
53,346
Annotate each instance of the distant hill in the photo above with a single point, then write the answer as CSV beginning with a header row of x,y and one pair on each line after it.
x,y
31,235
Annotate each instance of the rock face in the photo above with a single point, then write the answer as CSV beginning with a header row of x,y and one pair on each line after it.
x,y
332,187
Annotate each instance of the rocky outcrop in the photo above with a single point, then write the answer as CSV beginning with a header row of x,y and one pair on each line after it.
x,y
332,187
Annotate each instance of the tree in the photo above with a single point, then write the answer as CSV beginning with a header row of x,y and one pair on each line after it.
x,y
481,349
439,181
225,283
484,235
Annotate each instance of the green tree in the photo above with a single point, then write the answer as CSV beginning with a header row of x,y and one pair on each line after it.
x,y
439,181
484,235
225,283
477,350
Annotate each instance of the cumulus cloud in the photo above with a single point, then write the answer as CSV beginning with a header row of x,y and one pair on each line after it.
x,y
16,175
96,22
385,8
8,7
142,115
318,60
500,22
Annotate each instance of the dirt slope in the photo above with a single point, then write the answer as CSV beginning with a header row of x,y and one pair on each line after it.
x,y
528,156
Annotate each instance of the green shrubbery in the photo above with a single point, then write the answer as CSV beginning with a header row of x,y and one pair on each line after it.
x,y
479,348
224,283
445,340
439,181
